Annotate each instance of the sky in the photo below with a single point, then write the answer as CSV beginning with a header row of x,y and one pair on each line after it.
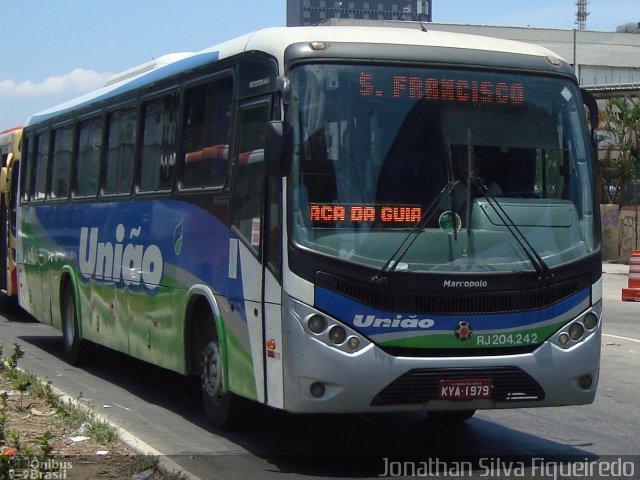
x,y
55,50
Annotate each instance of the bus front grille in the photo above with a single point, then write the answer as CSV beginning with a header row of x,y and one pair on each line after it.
x,y
420,385
461,302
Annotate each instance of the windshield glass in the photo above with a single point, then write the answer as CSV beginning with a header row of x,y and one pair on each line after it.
x,y
376,145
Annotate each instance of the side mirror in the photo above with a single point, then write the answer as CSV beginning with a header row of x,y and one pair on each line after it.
x,y
278,148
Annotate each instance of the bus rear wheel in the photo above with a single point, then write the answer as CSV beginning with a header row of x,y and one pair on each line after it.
x,y
224,409
76,350
451,417
7,303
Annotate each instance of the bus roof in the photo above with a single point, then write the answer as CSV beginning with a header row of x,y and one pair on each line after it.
x,y
11,130
279,38
274,41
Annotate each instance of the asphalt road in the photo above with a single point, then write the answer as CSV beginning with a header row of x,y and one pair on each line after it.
x,y
162,409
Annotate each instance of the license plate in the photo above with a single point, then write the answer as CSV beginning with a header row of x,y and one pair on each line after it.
x,y
466,389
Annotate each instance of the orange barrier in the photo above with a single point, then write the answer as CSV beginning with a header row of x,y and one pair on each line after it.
x,y
632,294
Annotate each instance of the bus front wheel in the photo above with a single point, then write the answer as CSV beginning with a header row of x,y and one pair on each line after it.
x,y
224,409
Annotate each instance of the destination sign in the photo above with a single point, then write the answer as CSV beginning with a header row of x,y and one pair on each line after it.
x,y
399,215
459,90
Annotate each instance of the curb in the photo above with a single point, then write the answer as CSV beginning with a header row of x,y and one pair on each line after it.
x,y
165,464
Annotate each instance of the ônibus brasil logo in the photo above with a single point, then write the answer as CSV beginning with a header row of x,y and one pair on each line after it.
x,y
131,263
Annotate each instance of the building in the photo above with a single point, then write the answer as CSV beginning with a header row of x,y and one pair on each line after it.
x,y
629,28
312,12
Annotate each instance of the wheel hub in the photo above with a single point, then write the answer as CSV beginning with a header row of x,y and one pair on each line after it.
x,y
211,370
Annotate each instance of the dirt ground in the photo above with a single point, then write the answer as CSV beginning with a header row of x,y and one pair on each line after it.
x,y
80,459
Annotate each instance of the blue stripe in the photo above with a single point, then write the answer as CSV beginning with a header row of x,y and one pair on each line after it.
x,y
346,310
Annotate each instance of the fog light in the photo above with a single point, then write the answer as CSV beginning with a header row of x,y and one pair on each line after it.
x,y
590,320
353,343
317,323
576,331
337,335
585,381
563,339
317,389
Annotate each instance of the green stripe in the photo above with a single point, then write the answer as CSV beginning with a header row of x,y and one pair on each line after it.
x,y
484,339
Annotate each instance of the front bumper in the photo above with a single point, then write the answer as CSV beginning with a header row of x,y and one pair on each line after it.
x,y
355,382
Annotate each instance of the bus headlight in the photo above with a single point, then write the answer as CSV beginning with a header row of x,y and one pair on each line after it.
x,y
590,321
576,331
580,328
323,328
317,323
337,335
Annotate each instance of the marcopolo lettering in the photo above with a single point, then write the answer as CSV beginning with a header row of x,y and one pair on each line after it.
x,y
399,322
131,263
465,283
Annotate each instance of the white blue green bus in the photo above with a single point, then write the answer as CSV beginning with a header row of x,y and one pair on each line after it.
x,y
278,216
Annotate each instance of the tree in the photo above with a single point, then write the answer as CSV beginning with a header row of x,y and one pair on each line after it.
x,y
621,162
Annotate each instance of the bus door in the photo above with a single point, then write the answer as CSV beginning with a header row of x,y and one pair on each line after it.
x,y
253,291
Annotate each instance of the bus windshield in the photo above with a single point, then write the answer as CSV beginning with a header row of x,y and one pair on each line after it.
x,y
489,152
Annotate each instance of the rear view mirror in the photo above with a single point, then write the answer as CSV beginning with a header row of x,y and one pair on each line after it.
x,y
592,109
277,150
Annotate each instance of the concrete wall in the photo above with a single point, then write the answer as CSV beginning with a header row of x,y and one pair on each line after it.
x,y
619,232
628,232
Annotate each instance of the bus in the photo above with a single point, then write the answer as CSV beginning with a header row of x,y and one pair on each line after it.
x,y
274,215
10,151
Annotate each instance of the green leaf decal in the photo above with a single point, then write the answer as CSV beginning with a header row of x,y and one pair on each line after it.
x,y
178,237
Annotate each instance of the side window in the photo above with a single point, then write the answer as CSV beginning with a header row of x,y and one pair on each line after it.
x,y
120,152
40,166
207,125
61,163
249,173
160,121
26,167
88,165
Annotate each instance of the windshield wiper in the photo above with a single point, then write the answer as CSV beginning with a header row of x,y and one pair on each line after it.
x,y
393,261
545,274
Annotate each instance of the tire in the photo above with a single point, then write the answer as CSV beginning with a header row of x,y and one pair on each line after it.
x,y
76,350
451,417
223,409
7,303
